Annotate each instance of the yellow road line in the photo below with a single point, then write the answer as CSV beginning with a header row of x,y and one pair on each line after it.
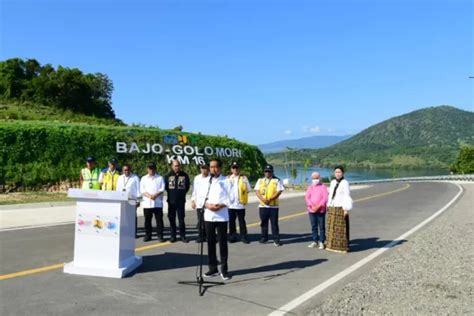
x,y
144,248
383,194
159,245
355,201
31,271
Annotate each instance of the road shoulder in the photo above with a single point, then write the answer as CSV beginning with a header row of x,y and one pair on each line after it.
x,y
431,273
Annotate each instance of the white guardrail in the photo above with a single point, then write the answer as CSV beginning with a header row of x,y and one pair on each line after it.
x,y
457,177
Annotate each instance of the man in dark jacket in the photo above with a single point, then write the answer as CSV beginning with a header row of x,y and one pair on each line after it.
x,y
177,185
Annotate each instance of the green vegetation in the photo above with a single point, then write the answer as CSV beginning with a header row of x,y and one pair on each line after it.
x,y
27,111
62,88
428,138
33,197
34,153
51,119
464,163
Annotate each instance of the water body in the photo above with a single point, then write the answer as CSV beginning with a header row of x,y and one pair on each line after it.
x,y
353,174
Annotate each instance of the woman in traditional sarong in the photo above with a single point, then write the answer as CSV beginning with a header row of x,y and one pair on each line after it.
x,y
339,205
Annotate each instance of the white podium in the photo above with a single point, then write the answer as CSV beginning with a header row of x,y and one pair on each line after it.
x,y
104,243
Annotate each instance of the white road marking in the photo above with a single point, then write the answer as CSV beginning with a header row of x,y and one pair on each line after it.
x,y
321,287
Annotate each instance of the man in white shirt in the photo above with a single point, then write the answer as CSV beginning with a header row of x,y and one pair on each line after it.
x,y
239,188
216,216
152,187
129,182
200,188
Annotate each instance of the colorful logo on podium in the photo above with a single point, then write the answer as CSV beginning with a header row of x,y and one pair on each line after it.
x,y
97,225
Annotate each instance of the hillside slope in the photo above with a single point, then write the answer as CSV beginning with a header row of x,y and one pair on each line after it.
x,y
312,142
430,137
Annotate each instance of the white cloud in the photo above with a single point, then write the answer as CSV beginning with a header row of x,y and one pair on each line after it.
x,y
288,132
311,129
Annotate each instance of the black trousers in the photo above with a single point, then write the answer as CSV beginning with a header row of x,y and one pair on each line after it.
x,y
221,228
173,209
148,213
269,213
200,223
240,214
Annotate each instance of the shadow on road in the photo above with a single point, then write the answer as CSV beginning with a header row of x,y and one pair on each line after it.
x,y
288,265
169,261
191,232
369,243
284,238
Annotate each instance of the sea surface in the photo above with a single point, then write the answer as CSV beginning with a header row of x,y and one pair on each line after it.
x,y
357,174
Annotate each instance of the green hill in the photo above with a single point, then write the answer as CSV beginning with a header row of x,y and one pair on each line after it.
x,y
51,119
41,154
429,137
28,111
60,88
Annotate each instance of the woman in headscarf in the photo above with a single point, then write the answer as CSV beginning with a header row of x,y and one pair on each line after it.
x,y
339,205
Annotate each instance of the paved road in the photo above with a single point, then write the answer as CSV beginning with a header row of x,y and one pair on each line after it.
x,y
264,277
432,274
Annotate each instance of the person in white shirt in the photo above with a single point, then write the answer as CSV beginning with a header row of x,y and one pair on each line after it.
x,y
129,182
152,187
216,216
200,188
268,190
239,188
339,203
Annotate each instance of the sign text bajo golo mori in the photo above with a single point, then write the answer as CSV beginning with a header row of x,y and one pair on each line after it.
x,y
182,153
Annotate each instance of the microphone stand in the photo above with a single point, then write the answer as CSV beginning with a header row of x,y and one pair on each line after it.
x,y
199,278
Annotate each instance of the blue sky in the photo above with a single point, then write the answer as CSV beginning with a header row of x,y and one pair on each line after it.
x,y
257,70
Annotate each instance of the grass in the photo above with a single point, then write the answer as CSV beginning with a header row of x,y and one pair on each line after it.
x,y
32,197
27,111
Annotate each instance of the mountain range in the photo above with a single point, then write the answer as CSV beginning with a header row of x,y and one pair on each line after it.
x,y
429,137
312,142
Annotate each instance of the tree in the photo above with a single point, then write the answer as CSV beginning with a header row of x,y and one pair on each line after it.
x,y
12,75
293,171
64,88
465,161
306,165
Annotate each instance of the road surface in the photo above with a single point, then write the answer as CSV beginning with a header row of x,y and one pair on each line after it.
x,y
264,277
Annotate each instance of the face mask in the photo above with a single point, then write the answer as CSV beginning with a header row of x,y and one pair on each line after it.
x,y
315,181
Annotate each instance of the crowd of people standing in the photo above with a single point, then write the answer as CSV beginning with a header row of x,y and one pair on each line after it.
x,y
220,201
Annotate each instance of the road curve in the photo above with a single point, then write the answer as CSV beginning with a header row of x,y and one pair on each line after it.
x,y
265,277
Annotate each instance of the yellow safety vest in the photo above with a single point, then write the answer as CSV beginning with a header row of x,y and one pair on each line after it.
x,y
268,190
243,193
109,181
90,179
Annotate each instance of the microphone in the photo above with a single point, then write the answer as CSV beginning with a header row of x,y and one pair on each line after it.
x,y
211,176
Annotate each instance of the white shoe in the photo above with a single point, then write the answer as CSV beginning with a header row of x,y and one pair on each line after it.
x,y
321,245
313,245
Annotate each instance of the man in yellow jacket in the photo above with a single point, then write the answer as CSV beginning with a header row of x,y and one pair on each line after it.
x,y
239,188
109,176
90,175
268,191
